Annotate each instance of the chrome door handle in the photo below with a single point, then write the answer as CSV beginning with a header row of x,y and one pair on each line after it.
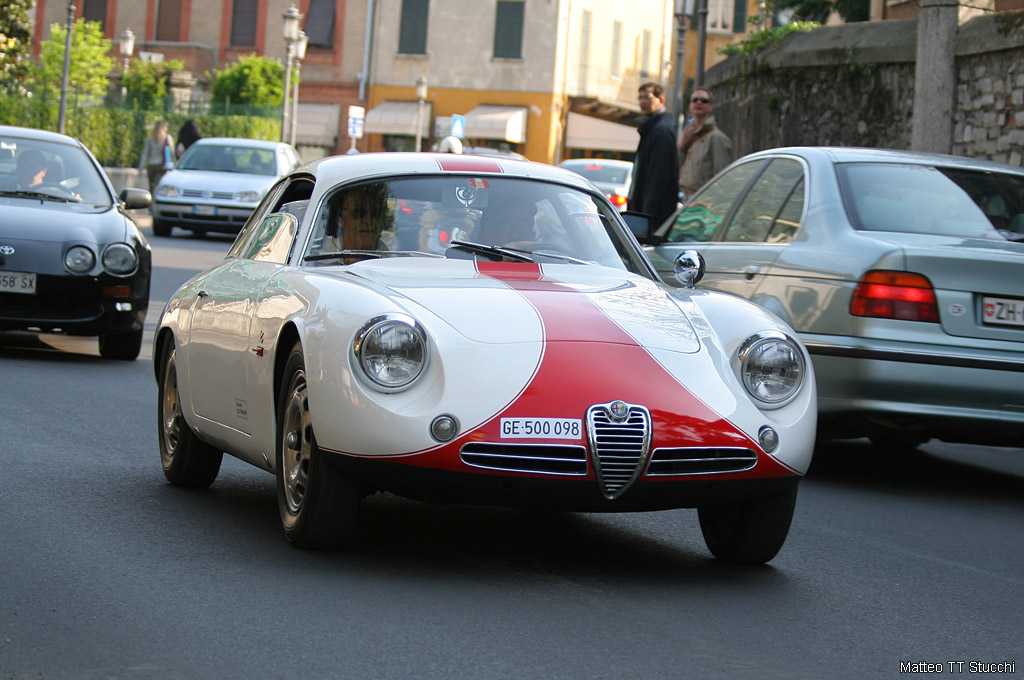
x,y
203,294
752,271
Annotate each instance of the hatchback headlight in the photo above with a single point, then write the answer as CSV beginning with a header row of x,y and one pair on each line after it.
x,y
391,350
168,191
79,260
120,259
247,196
772,368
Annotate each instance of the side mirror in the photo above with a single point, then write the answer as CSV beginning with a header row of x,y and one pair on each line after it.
x,y
689,268
639,224
135,199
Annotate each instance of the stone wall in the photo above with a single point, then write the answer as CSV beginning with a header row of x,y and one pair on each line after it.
x,y
853,85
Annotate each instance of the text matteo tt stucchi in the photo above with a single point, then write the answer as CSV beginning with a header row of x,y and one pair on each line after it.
x,y
956,667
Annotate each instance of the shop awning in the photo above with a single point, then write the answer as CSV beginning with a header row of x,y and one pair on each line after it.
x,y
397,118
584,132
507,123
613,111
317,124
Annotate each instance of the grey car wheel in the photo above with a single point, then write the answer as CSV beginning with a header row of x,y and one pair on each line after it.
x,y
317,505
750,531
186,460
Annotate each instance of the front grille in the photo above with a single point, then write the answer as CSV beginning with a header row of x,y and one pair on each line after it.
x,y
551,459
48,308
214,195
619,445
700,461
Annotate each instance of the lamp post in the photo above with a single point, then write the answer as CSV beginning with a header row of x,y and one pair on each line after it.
x,y
62,113
300,54
127,46
680,12
290,30
421,95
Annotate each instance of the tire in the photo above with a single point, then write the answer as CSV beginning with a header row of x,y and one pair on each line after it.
x,y
121,346
161,227
187,460
750,531
317,505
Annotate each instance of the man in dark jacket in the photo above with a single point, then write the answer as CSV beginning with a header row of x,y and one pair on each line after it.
x,y
655,185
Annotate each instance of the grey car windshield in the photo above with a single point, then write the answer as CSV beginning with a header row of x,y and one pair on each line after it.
x,y
227,158
933,200
50,170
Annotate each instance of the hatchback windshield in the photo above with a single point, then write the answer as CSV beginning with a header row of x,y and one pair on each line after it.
x,y
227,158
470,217
38,169
933,200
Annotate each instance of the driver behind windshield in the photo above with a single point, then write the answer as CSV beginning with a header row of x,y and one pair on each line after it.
x,y
31,170
508,223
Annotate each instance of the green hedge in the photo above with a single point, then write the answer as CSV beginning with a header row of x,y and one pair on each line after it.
x,y
116,136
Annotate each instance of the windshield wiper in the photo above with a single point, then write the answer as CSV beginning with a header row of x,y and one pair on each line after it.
x,y
557,256
493,251
367,253
21,193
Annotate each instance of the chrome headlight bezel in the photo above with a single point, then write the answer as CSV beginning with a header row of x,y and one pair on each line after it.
x,y
79,259
120,259
248,196
391,352
168,191
771,380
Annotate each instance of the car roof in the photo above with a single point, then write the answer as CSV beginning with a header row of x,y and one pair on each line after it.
x,y
850,154
375,164
600,161
240,141
41,135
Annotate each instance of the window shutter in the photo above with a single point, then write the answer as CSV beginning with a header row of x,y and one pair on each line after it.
x,y
320,23
243,23
412,35
508,30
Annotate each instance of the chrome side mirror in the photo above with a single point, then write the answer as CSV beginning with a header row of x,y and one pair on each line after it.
x,y
689,268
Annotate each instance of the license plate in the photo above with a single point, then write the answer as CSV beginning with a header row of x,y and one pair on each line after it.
x,y
204,210
18,282
541,428
1002,311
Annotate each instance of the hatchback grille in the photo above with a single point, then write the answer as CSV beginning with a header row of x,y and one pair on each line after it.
x,y
551,459
619,445
700,461
214,195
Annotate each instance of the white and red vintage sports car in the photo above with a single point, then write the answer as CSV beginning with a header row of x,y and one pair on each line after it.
x,y
477,330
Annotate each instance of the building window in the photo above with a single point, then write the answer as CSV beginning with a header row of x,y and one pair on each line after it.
x,y
720,16
243,22
508,30
645,55
617,49
168,20
739,17
319,26
95,10
412,34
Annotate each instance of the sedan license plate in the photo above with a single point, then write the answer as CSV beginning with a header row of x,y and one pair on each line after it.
x,y
1002,311
541,428
18,282
204,210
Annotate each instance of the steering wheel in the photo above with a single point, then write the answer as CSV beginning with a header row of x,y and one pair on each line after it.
x,y
59,190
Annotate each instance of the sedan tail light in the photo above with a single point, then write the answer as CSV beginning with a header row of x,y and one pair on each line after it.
x,y
895,295
618,200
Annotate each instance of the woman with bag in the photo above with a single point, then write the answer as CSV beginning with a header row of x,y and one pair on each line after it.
x,y
157,154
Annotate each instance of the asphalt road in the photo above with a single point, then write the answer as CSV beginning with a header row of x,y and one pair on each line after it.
x,y
106,571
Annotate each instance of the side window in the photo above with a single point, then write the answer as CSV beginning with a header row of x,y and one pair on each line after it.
x,y
788,221
273,239
704,213
763,204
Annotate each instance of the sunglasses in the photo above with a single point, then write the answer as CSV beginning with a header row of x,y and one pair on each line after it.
x,y
702,100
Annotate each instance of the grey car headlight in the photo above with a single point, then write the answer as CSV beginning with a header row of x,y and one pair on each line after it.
x,y
168,191
772,368
120,259
248,196
79,260
391,351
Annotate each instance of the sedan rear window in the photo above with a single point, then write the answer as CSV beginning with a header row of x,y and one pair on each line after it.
x,y
933,200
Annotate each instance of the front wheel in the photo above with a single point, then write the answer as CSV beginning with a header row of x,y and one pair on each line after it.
x,y
121,346
317,505
750,531
161,227
187,460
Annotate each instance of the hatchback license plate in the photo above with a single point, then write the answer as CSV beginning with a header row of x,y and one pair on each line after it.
x,y
18,282
1002,311
204,209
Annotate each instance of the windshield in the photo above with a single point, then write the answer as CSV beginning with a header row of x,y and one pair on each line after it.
x,y
933,200
490,218
31,168
228,158
596,171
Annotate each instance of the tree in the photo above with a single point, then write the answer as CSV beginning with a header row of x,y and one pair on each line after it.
x,y
818,10
253,80
15,46
90,64
146,81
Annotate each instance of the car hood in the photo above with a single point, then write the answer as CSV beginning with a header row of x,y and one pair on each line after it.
x,y
989,266
510,302
204,180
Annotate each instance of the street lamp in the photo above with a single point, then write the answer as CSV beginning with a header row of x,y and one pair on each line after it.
x,y
62,113
300,54
127,46
421,94
680,12
290,30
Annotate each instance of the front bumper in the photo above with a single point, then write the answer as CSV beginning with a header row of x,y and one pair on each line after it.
x,y
202,217
79,305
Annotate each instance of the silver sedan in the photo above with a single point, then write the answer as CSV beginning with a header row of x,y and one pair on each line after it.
x,y
902,272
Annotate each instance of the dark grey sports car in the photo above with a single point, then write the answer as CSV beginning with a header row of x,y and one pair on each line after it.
x,y
71,259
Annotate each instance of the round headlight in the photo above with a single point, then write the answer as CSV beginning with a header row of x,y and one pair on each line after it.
x,y
772,368
391,350
79,259
247,196
120,259
168,191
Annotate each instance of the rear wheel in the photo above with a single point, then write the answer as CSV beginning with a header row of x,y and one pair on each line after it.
x,y
750,531
186,459
317,505
121,346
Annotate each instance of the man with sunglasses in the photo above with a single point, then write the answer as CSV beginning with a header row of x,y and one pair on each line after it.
x,y
703,148
656,165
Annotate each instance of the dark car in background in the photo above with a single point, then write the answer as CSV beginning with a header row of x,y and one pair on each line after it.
x,y
72,261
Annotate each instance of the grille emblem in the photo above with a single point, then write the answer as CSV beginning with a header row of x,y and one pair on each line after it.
x,y
618,410
6,250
